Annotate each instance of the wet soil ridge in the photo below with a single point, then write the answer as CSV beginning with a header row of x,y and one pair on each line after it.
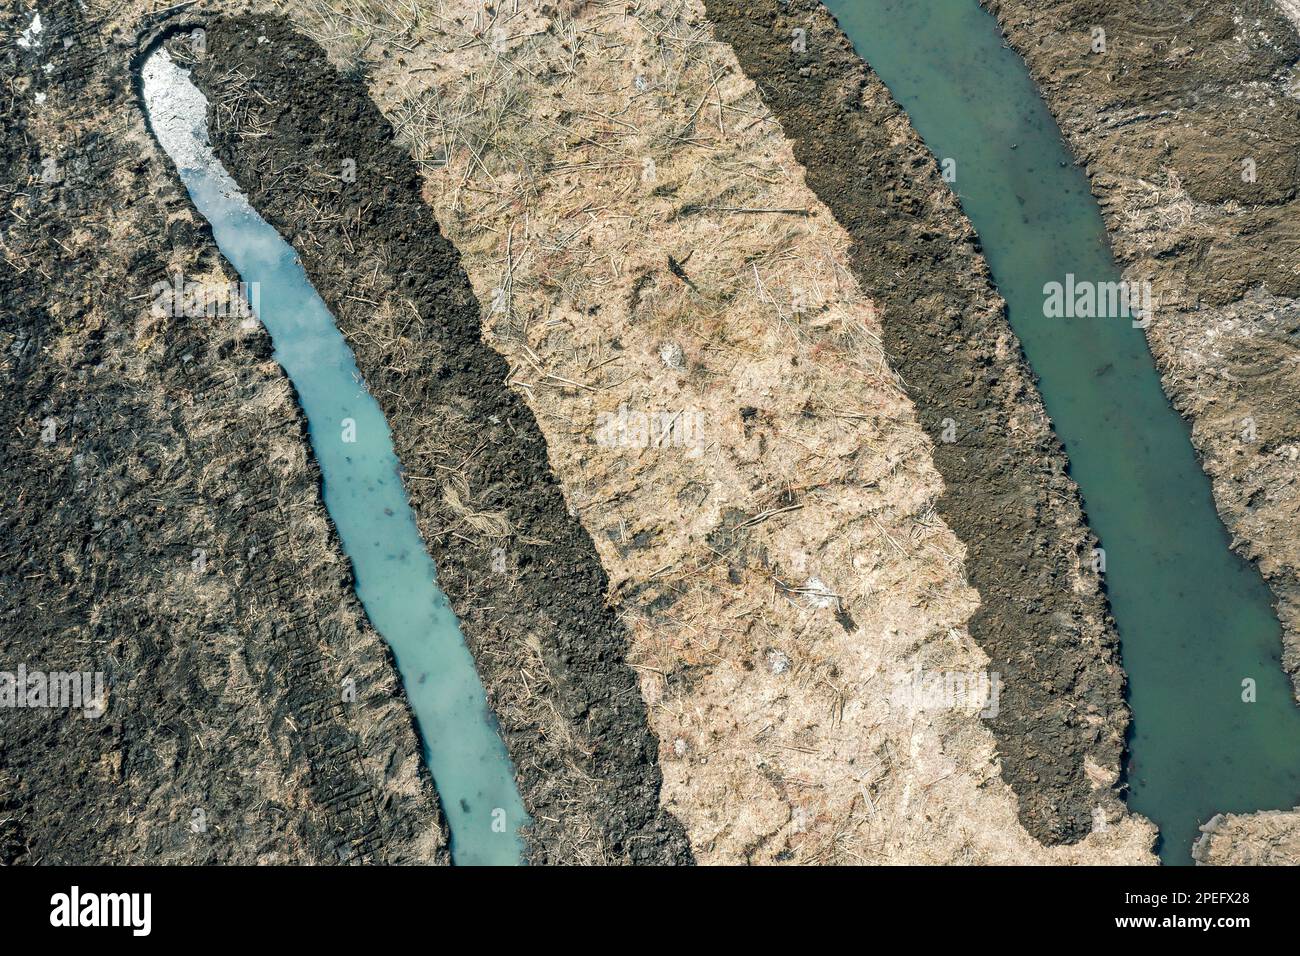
x,y
1186,117
163,525
1042,619
317,159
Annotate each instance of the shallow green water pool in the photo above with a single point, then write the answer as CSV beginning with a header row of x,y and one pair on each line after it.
x,y
1195,621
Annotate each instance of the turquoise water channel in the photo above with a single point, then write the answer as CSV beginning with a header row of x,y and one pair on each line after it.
x,y
1195,621
363,490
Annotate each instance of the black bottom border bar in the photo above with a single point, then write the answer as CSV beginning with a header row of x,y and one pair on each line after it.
x,y
213,905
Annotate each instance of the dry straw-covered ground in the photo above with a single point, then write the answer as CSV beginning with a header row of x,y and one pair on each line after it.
x,y
1270,838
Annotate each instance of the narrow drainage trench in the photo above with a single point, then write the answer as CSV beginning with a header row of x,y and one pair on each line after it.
x,y
363,491
1195,620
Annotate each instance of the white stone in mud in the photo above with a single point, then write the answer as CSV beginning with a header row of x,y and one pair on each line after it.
x,y
672,355
30,38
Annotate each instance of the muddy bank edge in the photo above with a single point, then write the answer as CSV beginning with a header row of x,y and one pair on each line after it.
x,y
1187,121
1043,620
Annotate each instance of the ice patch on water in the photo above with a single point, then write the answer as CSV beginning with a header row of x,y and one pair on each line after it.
x,y
179,113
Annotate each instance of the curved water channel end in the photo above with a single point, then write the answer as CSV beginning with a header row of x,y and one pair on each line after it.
x,y
362,487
